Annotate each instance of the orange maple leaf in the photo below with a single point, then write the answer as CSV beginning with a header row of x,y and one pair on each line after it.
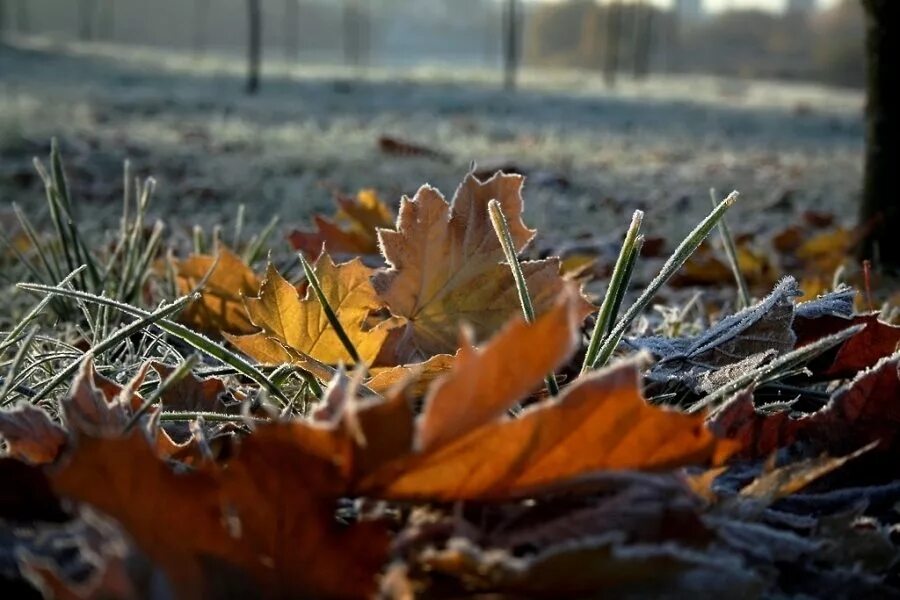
x,y
446,267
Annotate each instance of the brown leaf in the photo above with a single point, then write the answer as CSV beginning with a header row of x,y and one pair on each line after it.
x,y
248,529
31,435
877,340
398,147
864,411
352,230
446,267
601,422
220,307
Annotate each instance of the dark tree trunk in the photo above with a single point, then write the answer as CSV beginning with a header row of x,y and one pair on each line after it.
x,y
107,25
611,44
23,18
643,39
510,44
880,214
254,45
291,29
356,33
200,19
87,12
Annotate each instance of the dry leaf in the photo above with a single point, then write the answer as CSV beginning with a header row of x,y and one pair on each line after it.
x,y
245,530
446,267
220,307
353,230
31,435
289,322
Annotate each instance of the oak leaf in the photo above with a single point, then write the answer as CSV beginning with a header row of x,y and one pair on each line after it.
x,y
288,322
446,267
220,307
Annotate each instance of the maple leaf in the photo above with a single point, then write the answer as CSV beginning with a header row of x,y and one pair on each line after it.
x,y
250,529
353,230
220,307
31,435
446,266
288,322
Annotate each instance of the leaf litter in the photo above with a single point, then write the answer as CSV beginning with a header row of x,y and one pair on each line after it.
x,y
438,466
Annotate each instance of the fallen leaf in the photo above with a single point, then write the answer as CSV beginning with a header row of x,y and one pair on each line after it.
x,y
31,435
352,230
220,307
398,147
247,529
286,320
446,267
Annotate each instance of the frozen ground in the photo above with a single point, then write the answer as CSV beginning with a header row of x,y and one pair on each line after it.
x,y
594,154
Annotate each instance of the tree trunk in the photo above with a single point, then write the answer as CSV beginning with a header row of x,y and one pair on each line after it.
x,y
87,10
254,45
107,25
356,33
880,214
291,29
23,18
510,44
611,44
642,39
198,33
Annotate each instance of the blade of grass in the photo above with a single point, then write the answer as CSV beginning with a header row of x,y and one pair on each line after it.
x,y
111,340
501,228
617,282
731,252
314,283
188,336
678,258
33,313
8,383
632,259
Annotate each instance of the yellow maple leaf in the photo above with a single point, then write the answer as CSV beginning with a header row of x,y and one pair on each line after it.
x,y
220,307
286,320
352,230
446,267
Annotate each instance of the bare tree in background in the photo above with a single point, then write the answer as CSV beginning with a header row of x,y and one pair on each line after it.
x,y
291,29
641,38
356,32
880,212
199,20
510,44
106,26
23,17
254,45
87,13
612,39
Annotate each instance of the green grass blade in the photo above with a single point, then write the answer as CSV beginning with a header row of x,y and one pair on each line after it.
x,y
617,284
731,252
18,360
501,228
314,283
188,336
678,258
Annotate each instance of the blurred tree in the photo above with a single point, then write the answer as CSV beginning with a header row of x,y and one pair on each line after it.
x,y
291,29
199,19
838,41
254,45
106,27
356,32
87,13
641,39
880,212
23,17
510,44
611,42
